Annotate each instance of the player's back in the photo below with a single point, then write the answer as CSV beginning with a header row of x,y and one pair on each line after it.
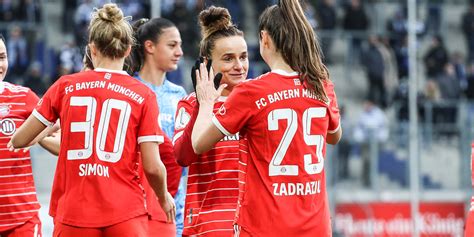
x,y
285,193
104,116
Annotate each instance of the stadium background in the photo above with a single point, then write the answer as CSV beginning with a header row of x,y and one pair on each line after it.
x,y
45,39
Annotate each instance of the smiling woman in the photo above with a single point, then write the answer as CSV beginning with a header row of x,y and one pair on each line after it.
x,y
213,187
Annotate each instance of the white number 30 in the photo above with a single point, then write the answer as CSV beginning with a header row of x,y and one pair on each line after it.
x,y
87,127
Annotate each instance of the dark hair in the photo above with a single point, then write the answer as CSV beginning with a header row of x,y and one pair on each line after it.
x,y
144,30
295,39
215,23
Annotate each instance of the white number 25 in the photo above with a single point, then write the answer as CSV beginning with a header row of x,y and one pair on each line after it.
x,y
275,167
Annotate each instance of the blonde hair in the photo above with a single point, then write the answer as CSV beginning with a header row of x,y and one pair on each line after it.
x,y
110,31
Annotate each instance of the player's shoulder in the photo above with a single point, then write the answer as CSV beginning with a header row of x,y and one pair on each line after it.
x,y
174,87
14,88
191,98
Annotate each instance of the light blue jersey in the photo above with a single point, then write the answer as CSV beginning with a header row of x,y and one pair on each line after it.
x,y
168,95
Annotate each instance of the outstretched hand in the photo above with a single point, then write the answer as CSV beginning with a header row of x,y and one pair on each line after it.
x,y
206,91
217,78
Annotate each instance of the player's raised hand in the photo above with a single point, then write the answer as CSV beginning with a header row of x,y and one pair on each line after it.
x,y
168,207
217,78
206,91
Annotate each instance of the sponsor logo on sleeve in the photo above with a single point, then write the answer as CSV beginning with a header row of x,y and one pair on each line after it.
x,y
222,110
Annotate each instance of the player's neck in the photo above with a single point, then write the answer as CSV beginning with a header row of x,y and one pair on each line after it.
x,y
152,75
111,64
278,63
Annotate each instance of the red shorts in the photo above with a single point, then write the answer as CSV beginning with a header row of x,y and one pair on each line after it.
x,y
135,227
162,229
31,228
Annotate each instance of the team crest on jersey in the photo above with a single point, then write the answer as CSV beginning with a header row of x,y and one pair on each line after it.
x,y
297,82
108,76
7,127
222,110
4,110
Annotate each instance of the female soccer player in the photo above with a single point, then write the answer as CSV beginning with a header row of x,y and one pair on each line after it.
x,y
19,204
212,192
105,122
288,115
157,52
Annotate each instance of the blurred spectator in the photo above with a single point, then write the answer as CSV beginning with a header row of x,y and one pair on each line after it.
x,y
469,91
397,28
450,91
371,128
459,68
468,30
261,5
434,16
186,20
435,58
373,62
344,146
327,19
17,52
82,18
401,53
69,8
29,11
432,92
7,10
390,62
34,79
355,21
133,8
70,58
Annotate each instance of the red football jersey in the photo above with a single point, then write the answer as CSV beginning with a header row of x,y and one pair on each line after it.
x,y
105,115
213,178
286,125
18,202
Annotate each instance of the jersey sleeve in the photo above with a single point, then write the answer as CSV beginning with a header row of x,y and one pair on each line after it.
x,y
31,101
333,108
173,170
186,115
47,109
150,131
235,112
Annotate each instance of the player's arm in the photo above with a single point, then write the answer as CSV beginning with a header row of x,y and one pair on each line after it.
x,y
52,143
173,170
28,131
183,149
156,175
205,134
334,138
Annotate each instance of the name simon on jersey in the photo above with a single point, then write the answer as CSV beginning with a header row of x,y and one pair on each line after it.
x,y
94,170
285,95
297,189
105,85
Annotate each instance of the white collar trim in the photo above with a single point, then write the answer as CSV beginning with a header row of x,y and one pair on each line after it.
x,y
222,98
110,70
2,86
285,73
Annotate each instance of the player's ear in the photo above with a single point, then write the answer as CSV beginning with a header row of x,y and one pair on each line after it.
x,y
92,49
129,50
149,46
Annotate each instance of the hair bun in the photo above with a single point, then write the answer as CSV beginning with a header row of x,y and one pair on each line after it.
x,y
110,12
214,19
